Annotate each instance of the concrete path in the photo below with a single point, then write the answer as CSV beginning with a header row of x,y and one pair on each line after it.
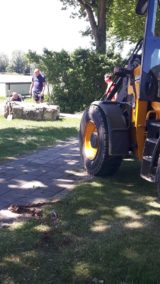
x,y
41,177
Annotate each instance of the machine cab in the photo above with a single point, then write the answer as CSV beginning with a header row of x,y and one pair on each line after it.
x,y
150,74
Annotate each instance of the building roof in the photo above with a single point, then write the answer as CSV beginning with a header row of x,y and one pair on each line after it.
x,y
15,78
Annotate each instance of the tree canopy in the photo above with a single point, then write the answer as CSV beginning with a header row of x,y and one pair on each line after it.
x,y
112,17
123,22
4,62
94,12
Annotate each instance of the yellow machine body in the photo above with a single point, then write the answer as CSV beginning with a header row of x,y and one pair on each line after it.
x,y
141,113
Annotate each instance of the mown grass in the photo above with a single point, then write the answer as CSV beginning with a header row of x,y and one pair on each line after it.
x,y
107,229
22,136
107,232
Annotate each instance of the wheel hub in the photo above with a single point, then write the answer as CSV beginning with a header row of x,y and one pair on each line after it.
x,y
94,140
90,140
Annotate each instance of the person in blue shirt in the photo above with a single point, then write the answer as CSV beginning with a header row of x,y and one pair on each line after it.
x,y
38,86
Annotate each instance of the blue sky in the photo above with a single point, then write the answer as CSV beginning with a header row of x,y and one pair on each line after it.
x,y
35,24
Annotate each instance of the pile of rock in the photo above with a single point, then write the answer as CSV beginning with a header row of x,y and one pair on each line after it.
x,y
32,111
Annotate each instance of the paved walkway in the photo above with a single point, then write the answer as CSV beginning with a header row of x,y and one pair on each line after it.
x,y
41,177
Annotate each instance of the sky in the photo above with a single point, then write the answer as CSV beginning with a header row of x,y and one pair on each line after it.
x,y
37,24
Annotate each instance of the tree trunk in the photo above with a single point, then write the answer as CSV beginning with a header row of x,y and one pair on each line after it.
x,y
98,28
101,30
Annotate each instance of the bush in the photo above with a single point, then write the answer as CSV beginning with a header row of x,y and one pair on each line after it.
x,y
77,79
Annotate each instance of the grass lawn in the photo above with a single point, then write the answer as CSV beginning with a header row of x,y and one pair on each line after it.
x,y
21,136
107,232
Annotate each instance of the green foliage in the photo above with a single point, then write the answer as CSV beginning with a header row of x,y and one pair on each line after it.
x,y
32,56
4,61
18,63
95,13
121,19
123,22
77,79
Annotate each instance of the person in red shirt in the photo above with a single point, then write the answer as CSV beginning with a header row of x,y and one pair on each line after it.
x,y
110,85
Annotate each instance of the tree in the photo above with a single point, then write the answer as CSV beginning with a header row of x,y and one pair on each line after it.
x,y
95,11
116,18
123,22
4,61
18,63
77,79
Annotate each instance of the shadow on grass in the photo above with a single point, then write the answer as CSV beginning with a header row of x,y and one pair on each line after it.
x,y
107,232
14,141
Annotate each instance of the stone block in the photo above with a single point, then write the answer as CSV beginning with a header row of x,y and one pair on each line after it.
x,y
32,111
50,113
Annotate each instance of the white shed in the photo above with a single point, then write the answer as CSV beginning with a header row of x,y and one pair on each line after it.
x,y
14,83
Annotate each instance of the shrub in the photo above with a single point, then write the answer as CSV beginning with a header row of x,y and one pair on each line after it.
x,y
77,79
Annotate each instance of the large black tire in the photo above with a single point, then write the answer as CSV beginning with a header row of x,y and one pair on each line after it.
x,y
94,144
158,179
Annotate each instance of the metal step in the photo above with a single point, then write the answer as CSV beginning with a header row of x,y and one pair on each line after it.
x,y
155,123
147,158
151,140
150,178
148,169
